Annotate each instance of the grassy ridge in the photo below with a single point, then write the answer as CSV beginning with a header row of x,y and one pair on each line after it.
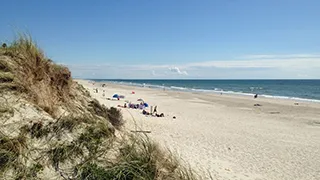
x,y
29,71
72,136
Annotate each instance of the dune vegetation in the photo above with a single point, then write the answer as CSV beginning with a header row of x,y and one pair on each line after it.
x,y
51,128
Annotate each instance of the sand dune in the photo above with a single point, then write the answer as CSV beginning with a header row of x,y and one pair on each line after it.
x,y
227,135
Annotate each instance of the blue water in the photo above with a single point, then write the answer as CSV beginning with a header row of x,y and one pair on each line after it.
x,y
287,89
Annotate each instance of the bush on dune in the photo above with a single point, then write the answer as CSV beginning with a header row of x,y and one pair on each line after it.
x,y
112,114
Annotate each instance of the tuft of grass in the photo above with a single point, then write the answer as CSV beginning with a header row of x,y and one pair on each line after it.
x,y
6,77
92,171
96,108
113,115
10,149
83,90
45,83
63,153
5,109
4,65
60,78
30,172
139,158
70,122
34,170
93,136
7,159
10,87
66,123
39,130
36,130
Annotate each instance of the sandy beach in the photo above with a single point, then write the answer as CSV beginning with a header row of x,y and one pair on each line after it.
x,y
227,135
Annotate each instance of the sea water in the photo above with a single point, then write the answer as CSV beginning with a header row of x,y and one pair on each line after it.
x,y
306,90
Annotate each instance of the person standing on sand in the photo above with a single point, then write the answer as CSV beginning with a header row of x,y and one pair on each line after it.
x,y
155,110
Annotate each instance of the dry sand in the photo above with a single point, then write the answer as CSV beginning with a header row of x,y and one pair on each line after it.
x,y
227,135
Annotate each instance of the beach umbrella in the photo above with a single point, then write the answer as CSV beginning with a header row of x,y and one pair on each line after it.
x,y
146,104
115,96
140,99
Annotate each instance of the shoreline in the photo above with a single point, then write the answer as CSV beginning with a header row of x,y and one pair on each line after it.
x,y
207,91
227,135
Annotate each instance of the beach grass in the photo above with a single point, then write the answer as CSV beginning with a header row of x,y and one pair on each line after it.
x,y
10,150
30,72
6,110
63,152
112,114
139,158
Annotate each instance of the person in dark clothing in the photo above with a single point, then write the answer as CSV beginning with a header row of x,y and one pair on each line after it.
x,y
145,112
155,110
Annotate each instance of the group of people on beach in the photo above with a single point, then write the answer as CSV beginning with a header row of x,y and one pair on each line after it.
x,y
142,106
134,106
153,113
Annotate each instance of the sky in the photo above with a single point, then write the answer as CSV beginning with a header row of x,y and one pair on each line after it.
x,y
173,39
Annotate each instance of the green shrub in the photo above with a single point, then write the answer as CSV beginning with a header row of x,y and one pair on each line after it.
x,y
115,117
93,172
66,123
97,109
29,172
36,130
10,149
93,136
5,109
138,158
62,153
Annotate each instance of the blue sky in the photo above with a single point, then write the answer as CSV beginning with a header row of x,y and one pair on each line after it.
x,y
215,39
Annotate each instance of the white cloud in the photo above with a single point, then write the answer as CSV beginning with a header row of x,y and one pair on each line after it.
x,y
280,56
153,73
258,63
177,70
258,66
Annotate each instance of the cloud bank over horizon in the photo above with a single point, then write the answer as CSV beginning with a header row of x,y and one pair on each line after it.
x,y
290,66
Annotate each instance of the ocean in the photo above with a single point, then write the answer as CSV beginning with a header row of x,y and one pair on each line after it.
x,y
305,90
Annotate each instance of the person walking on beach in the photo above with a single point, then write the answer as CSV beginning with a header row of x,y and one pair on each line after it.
x,y
155,110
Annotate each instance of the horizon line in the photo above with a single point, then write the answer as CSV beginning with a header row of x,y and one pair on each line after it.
x,y
187,79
